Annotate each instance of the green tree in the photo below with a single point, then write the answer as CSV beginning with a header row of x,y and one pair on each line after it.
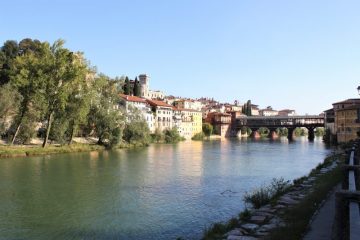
x,y
263,131
79,103
9,105
64,71
248,108
207,129
9,51
127,86
137,88
104,120
136,129
28,76
282,131
320,131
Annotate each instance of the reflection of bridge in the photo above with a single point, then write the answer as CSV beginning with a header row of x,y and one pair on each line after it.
x,y
289,122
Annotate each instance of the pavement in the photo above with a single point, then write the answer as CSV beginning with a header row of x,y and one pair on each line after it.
x,y
322,224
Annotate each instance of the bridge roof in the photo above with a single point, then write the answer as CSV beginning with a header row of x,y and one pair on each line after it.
x,y
284,117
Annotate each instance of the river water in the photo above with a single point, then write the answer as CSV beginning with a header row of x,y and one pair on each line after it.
x,y
159,192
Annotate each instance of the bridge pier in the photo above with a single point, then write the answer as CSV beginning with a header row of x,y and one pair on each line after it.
x,y
290,134
273,134
311,134
255,133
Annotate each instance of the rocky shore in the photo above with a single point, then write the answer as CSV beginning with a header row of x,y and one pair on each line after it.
x,y
269,217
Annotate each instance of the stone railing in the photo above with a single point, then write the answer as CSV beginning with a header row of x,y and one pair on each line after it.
x,y
347,220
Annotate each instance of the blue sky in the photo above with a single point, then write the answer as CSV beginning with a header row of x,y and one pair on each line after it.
x,y
300,54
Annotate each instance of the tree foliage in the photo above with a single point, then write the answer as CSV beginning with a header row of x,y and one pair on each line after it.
x,y
246,108
127,86
136,130
51,91
137,88
207,129
106,121
9,104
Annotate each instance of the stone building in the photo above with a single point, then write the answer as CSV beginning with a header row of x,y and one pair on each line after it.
x,y
347,119
221,123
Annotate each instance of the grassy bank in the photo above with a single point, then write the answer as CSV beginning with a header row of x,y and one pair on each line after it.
x,y
24,150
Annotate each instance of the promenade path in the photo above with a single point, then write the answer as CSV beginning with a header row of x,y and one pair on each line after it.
x,y
322,225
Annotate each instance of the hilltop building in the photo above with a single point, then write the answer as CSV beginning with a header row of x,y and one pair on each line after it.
x,y
268,112
287,112
145,90
188,104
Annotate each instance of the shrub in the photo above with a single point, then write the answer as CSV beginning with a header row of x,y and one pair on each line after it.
x,y
207,129
266,194
198,137
172,135
245,215
137,132
218,229
158,136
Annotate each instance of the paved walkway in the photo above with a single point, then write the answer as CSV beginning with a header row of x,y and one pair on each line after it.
x,y
321,227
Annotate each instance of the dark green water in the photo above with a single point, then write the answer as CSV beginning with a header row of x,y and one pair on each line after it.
x,y
159,192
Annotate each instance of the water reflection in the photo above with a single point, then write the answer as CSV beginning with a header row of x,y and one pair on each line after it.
x,y
159,192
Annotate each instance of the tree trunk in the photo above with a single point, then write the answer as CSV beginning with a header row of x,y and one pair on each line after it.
x,y
48,129
72,133
23,111
16,133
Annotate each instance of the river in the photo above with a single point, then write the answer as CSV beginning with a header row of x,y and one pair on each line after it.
x,y
160,192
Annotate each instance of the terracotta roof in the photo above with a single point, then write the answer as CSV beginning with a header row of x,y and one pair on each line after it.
x,y
158,103
132,98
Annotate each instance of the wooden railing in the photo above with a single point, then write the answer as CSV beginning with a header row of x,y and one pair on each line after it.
x,y
348,200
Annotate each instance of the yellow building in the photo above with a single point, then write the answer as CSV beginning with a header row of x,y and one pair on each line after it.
x,y
347,119
188,122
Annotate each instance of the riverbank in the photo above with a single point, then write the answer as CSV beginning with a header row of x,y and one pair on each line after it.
x,y
80,145
286,216
36,150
